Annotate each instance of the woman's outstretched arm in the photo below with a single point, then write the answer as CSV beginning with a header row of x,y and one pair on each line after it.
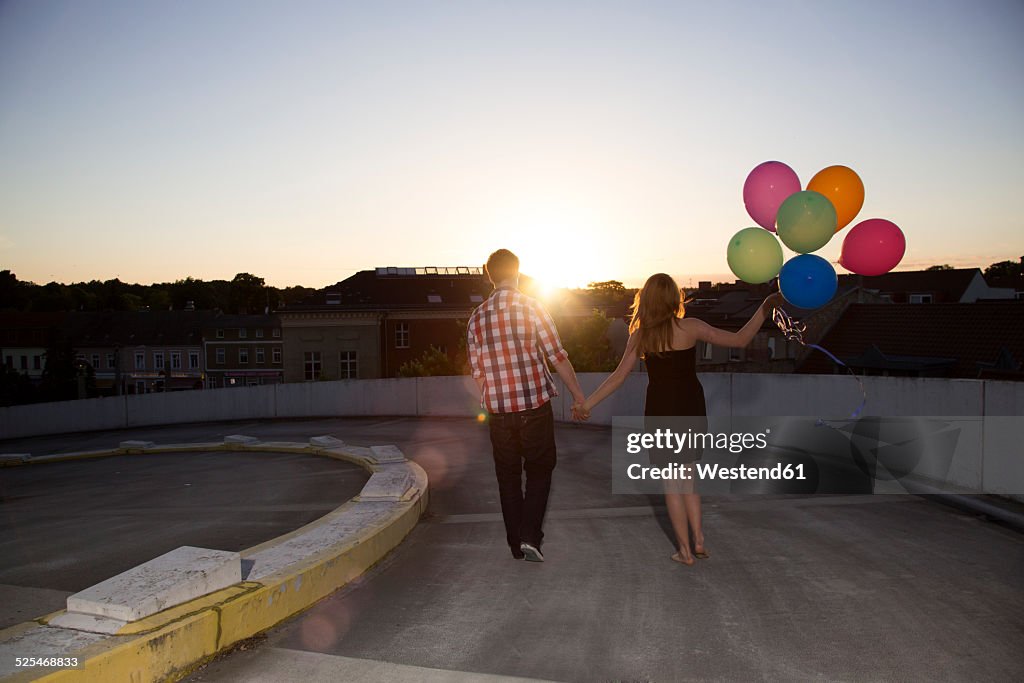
x,y
614,380
720,337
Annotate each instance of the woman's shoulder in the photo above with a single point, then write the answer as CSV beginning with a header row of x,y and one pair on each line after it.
x,y
689,323
685,337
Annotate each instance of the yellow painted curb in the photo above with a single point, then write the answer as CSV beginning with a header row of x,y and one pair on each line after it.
x,y
167,646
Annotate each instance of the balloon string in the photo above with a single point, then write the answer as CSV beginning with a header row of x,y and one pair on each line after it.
x,y
794,330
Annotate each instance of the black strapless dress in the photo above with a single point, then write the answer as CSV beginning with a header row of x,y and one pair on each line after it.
x,y
673,390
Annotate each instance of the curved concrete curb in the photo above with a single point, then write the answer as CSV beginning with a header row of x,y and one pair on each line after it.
x,y
287,574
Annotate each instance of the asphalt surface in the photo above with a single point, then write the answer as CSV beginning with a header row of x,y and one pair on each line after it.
x,y
826,587
69,525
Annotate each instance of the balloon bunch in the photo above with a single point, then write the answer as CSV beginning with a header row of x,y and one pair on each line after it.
x,y
805,221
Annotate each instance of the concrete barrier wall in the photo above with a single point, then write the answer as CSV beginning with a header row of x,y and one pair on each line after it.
x,y
214,405
94,414
996,460
447,396
727,394
346,397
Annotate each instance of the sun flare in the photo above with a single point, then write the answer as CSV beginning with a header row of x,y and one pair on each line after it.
x,y
559,245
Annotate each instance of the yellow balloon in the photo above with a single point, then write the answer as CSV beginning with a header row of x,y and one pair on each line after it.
x,y
843,188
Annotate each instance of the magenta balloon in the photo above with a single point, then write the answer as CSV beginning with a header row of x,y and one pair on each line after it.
x,y
873,247
766,188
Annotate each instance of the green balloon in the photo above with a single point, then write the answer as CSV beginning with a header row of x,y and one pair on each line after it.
x,y
806,221
754,255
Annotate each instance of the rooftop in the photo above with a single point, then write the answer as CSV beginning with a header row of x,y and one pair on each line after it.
x,y
964,336
797,587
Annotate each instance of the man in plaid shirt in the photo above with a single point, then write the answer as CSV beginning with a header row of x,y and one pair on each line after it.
x,y
510,338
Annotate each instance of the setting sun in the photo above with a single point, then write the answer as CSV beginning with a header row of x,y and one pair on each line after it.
x,y
557,243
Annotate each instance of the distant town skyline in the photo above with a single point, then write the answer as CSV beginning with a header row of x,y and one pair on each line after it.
x,y
152,141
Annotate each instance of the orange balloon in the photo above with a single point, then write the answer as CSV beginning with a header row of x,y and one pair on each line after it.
x,y
843,188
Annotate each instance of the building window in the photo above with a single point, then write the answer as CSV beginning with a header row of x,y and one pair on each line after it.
x,y
708,351
277,332
735,355
348,365
193,360
158,361
220,334
220,356
920,298
175,360
259,333
140,360
276,355
243,333
95,361
771,348
110,361
37,362
140,387
312,365
887,298
24,362
10,362
243,356
401,335
260,355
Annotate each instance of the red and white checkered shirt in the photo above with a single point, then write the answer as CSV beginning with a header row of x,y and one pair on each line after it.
x,y
510,335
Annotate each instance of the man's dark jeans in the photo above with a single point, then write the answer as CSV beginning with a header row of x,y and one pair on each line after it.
x,y
524,441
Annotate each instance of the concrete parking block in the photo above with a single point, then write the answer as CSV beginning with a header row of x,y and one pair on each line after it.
x,y
384,454
171,579
389,482
326,442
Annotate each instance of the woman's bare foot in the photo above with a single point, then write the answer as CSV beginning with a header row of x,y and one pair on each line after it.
x,y
699,551
683,559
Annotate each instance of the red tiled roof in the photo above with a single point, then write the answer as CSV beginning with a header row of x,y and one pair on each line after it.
x,y
969,333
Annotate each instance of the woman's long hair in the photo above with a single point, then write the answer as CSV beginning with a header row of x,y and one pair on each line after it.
x,y
656,307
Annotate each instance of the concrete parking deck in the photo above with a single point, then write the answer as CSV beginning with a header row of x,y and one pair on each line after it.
x,y
68,525
841,587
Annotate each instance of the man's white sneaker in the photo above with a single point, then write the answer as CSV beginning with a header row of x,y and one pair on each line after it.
x,y
532,554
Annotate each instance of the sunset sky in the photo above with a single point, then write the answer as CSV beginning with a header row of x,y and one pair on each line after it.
x,y
302,141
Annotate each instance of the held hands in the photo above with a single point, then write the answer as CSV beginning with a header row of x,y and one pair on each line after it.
x,y
580,411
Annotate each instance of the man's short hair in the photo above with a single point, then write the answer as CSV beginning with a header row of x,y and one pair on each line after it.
x,y
501,265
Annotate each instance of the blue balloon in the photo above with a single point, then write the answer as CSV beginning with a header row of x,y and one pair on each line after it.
x,y
807,281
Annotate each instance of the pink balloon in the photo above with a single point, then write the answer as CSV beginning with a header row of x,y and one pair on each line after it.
x,y
767,186
873,247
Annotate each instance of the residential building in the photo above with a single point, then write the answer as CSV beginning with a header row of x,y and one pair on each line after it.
x,y
968,340
140,352
953,285
243,350
24,339
729,307
373,322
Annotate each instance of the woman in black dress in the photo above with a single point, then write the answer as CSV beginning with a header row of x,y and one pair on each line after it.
x,y
667,342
